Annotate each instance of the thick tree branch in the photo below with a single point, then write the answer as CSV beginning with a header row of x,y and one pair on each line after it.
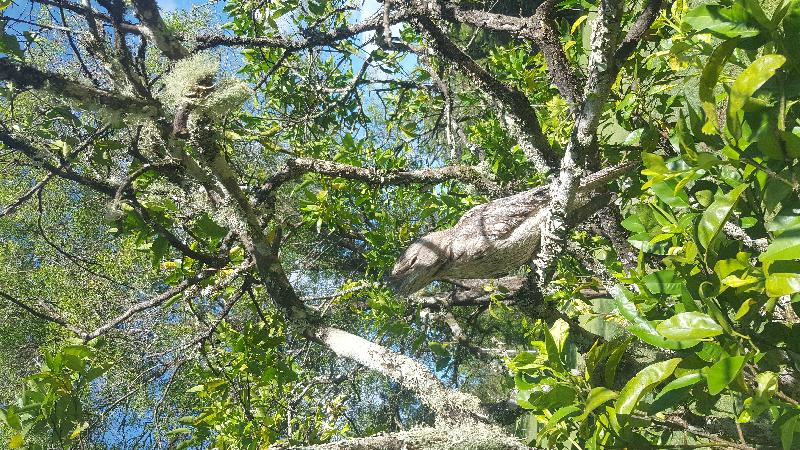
x,y
449,406
150,303
313,38
538,149
157,30
40,157
582,148
27,76
540,28
246,223
375,177
89,12
561,72
637,31
737,233
458,437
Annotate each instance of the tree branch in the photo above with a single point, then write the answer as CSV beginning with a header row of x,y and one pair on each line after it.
x,y
43,315
28,76
89,12
519,106
150,303
637,31
375,177
540,28
313,38
450,406
459,437
561,72
157,30
582,148
39,156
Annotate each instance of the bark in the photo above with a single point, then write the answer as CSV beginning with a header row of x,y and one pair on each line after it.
x,y
124,26
43,159
28,76
582,148
736,233
540,28
43,315
166,41
471,292
313,38
638,30
524,116
150,303
449,406
561,72
608,224
377,177
439,438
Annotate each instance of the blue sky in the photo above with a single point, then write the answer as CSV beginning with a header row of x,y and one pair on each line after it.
x,y
171,5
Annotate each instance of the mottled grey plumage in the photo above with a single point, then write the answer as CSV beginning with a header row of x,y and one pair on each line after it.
x,y
489,241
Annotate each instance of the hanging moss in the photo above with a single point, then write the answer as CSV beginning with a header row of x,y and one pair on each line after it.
x,y
187,74
229,94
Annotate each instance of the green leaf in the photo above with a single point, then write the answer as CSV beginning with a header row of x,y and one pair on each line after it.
x,y
5,4
718,20
16,441
767,384
720,375
689,325
79,351
610,371
159,249
11,418
779,284
79,428
752,78
558,333
663,282
549,394
596,398
207,228
9,45
708,80
560,415
640,327
525,361
755,11
785,247
786,219
674,392
715,216
788,430
665,191
643,382
633,223
681,382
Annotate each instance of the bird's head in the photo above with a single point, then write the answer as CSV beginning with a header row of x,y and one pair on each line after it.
x,y
420,263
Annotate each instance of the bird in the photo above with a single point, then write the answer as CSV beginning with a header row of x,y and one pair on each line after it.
x,y
492,239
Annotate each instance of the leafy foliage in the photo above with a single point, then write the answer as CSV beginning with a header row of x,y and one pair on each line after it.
x,y
694,343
